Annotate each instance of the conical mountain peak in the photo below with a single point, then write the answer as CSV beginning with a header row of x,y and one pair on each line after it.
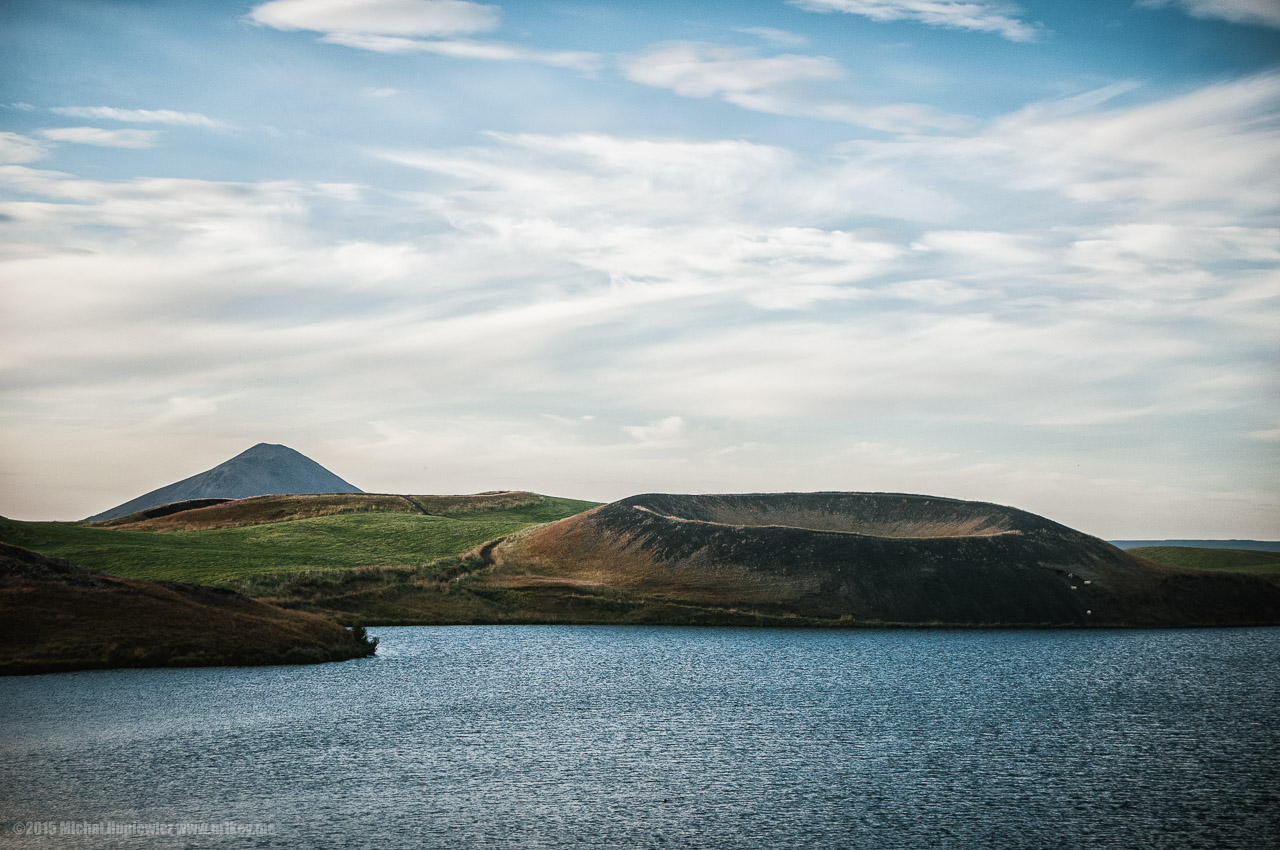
x,y
262,470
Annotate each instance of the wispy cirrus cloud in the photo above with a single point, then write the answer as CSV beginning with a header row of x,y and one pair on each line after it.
x,y
467,49
662,433
695,69
139,116
784,84
381,17
412,26
135,139
1263,12
773,35
1212,154
994,16
1267,435
15,147
184,408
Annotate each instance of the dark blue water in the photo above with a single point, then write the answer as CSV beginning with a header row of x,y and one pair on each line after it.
x,y
663,737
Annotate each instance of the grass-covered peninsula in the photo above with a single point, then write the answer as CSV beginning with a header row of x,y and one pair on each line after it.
x,y
56,617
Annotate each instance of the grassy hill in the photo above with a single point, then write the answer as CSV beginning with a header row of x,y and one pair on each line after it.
x,y
1218,560
237,541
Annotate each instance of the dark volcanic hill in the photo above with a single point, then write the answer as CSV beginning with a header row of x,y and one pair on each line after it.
x,y
873,557
54,617
266,469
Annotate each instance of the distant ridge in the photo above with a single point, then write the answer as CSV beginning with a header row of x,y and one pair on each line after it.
x,y
267,469
1251,545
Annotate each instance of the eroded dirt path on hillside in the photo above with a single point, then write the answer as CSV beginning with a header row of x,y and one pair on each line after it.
x,y
417,505
486,552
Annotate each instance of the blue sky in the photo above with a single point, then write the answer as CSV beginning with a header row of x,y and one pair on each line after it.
x,y
1025,253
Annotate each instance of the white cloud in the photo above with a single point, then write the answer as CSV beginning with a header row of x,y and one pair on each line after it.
x,y
467,49
978,15
139,116
1125,248
932,292
783,38
412,26
1210,157
1215,145
186,206
643,181
1263,12
381,93
183,408
983,252
101,138
664,432
760,223
700,70
780,85
378,17
997,310
728,293
15,147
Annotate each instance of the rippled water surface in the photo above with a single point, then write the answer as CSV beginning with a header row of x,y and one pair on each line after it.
x,y
663,737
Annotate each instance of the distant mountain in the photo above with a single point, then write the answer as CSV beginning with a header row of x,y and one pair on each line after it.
x,y
1252,545
266,469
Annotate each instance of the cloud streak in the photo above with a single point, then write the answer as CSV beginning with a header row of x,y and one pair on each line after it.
x,y
412,26
1000,18
378,17
15,147
134,139
140,116
780,85
1261,12
467,49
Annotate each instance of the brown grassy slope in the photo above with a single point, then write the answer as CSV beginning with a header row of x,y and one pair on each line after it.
x,y
200,515
55,617
872,557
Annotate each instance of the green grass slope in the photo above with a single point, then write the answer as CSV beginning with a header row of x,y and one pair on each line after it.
x,y
1217,560
223,555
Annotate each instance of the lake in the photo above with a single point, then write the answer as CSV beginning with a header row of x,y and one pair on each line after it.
x,y
666,737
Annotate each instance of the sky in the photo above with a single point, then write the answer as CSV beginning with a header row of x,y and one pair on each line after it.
x,y
1025,253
